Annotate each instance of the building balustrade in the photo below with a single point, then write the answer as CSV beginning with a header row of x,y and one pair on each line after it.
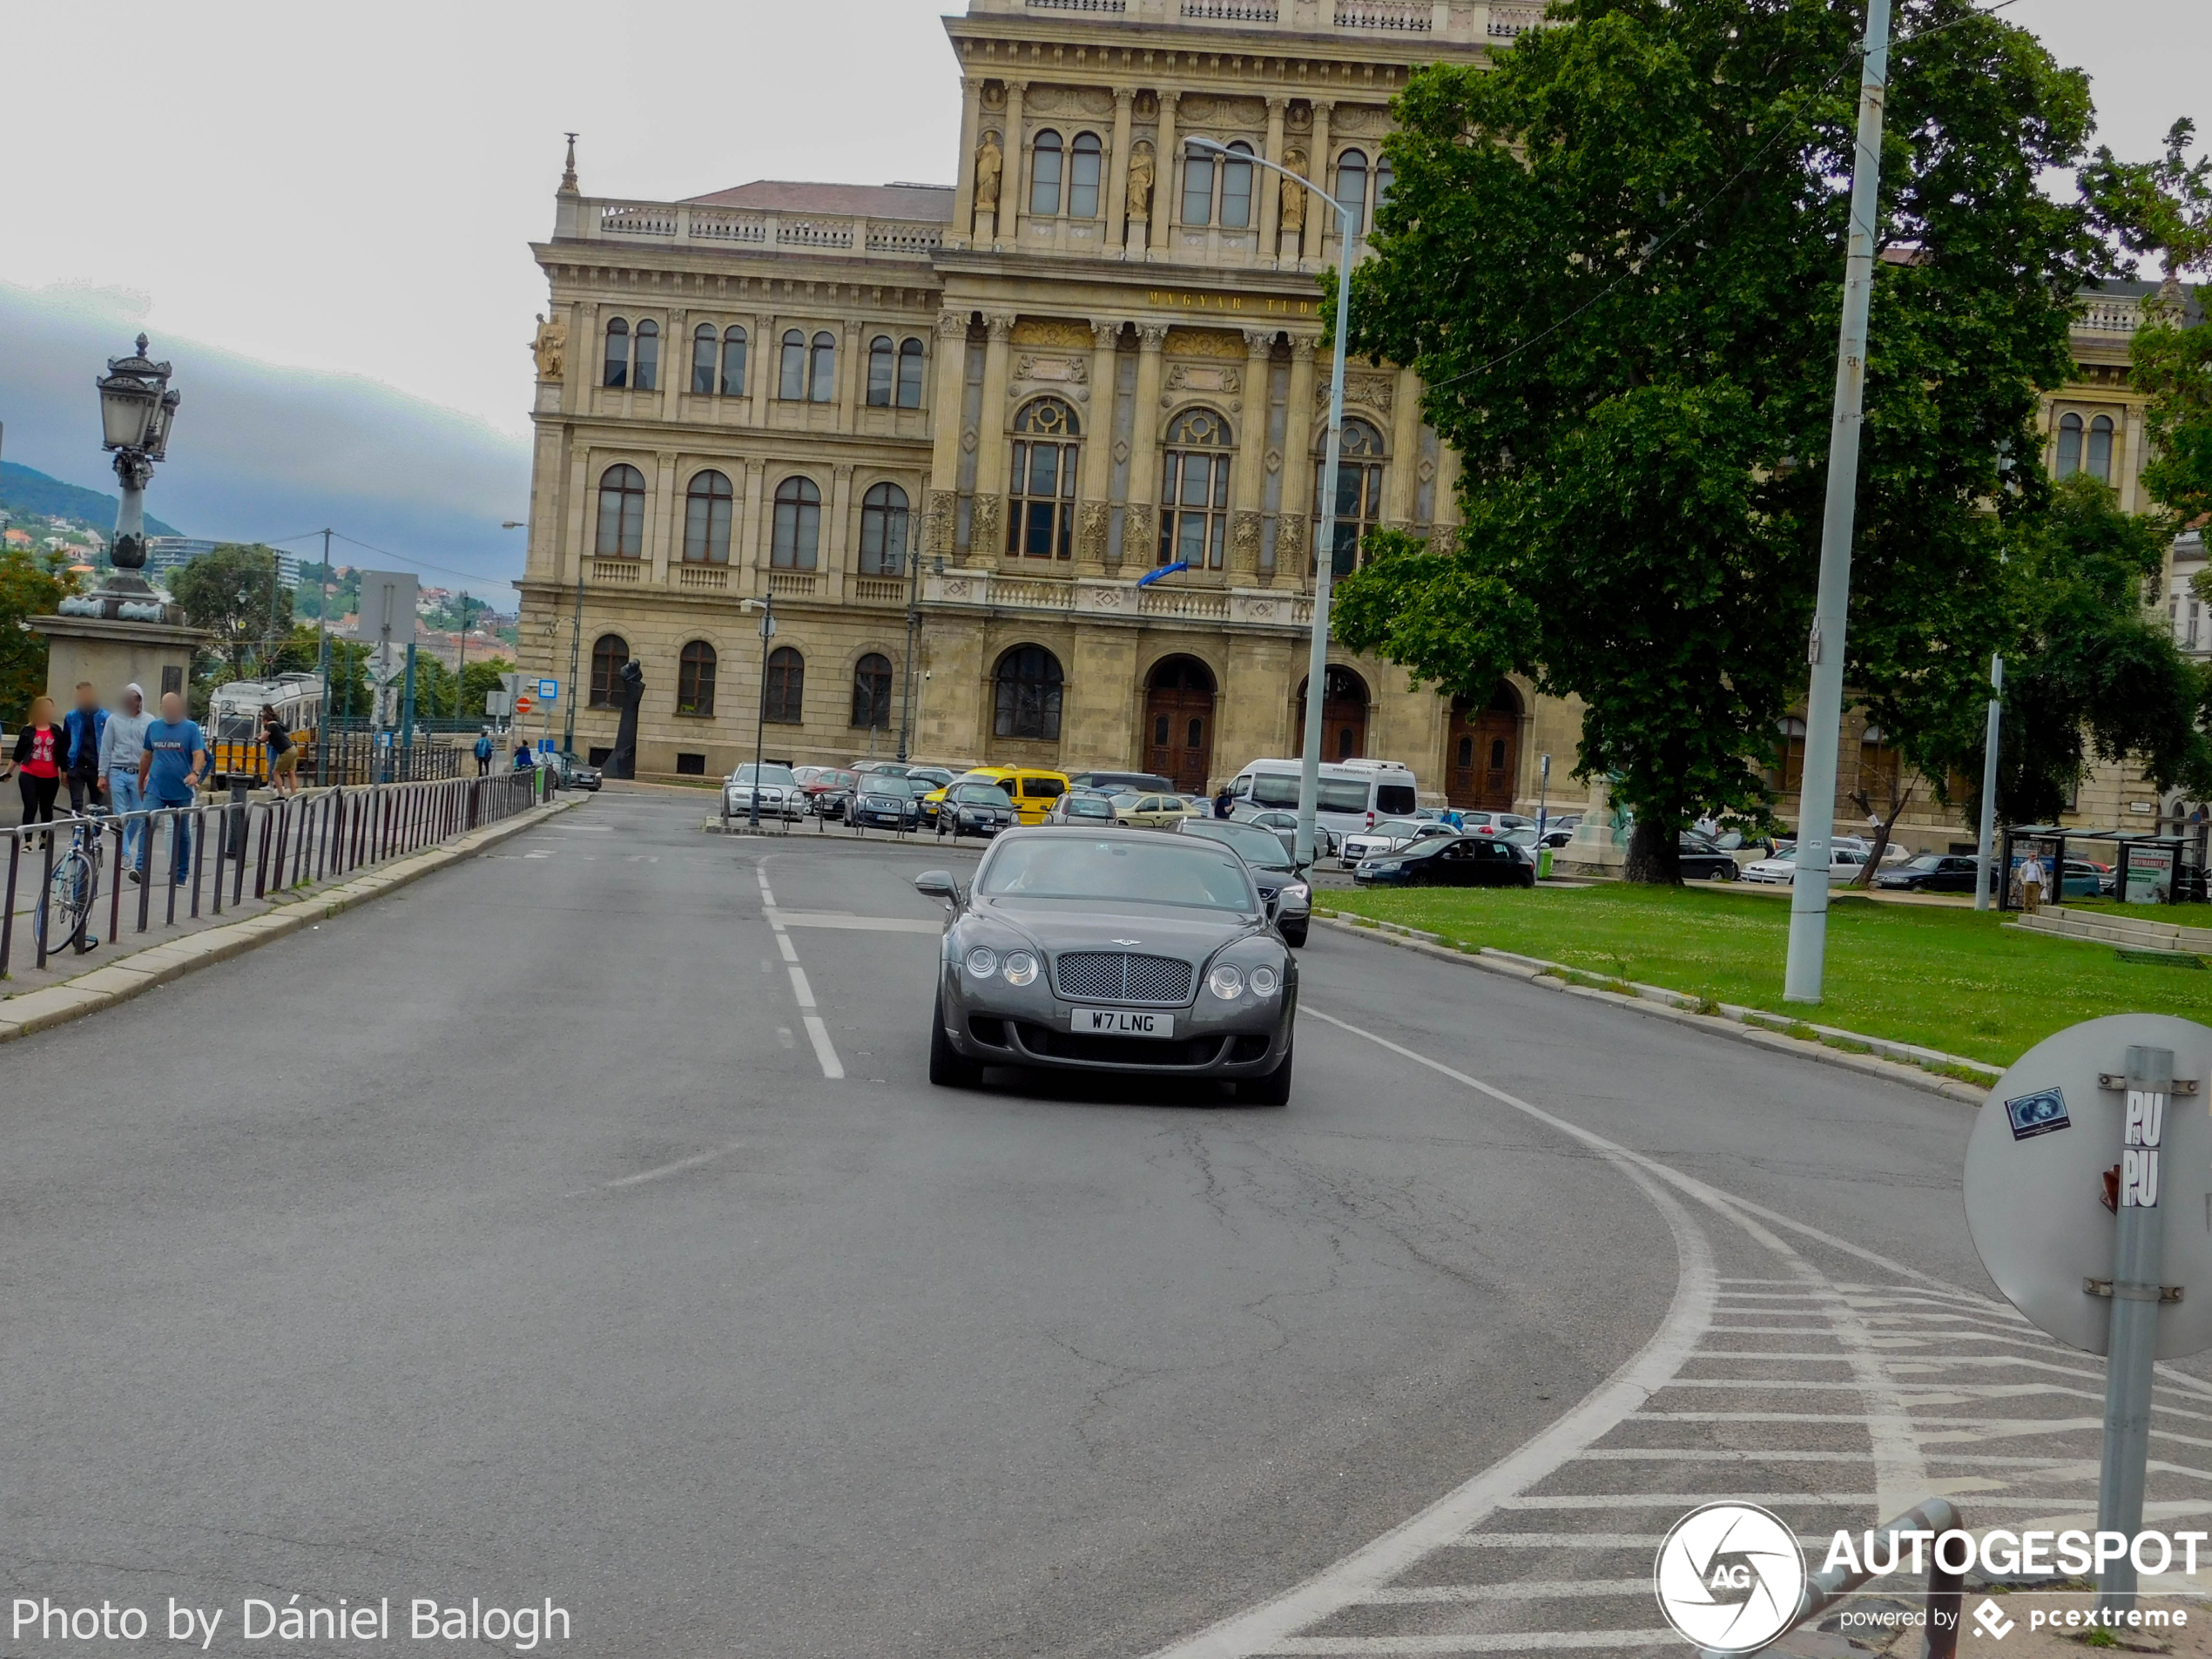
x,y
1467,21
794,584
879,589
1093,598
702,578
681,224
624,571
2114,315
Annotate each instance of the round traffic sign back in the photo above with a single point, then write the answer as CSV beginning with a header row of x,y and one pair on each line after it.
x,y
2035,1180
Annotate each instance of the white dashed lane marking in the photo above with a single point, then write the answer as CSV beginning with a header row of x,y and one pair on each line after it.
x,y
817,1032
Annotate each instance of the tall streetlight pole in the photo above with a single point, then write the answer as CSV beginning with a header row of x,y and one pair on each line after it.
x,y
1317,672
765,608
1824,703
322,664
137,408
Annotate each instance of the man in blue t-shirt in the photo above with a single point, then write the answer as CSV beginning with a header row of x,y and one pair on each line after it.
x,y
174,762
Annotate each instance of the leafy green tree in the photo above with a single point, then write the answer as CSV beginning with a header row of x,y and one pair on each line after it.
x,y
478,678
234,592
1616,260
30,586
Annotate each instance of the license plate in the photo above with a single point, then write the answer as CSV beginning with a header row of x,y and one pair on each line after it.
x,y
1120,1022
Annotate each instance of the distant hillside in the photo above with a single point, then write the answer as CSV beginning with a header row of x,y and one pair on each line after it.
x,y
27,494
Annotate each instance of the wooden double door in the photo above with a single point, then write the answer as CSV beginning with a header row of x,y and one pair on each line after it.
x,y
1482,758
1178,723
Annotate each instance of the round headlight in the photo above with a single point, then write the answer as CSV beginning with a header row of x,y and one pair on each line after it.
x,y
1226,982
982,962
1264,982
1021,968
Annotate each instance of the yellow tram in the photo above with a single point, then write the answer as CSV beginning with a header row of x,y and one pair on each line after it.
x,y
235,741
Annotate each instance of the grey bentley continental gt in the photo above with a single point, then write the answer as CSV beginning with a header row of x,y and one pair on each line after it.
x,y
1110,950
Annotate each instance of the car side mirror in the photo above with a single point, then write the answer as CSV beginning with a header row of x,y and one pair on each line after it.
x,y
938,884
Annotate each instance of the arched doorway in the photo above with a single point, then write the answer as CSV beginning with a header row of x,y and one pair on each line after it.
x,y
1344,715
1179,722
1482,752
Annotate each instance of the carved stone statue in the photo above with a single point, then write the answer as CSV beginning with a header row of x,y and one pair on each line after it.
x,y
550,347
1293,219
629,693
990,166
1141,175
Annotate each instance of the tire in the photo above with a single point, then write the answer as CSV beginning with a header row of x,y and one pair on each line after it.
x,y
1528,878
1294,936
1273,1089
1726,872
949,1067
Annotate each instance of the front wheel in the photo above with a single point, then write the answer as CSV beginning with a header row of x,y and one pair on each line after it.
x,y
1726,872
949,1067
1273,1089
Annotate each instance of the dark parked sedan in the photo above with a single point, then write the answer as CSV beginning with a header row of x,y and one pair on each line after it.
x,y
1932,872
885,802
975,809
1703,859
1461,861
1112,951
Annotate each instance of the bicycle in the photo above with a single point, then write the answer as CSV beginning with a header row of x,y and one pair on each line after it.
x,y
71,890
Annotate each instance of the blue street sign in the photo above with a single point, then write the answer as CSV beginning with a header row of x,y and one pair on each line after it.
x,y
1151,576
549,691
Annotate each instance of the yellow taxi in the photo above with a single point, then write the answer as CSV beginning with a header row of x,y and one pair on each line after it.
x,y
1031,790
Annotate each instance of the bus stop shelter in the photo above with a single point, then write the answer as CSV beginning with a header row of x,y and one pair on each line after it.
x,y
2148,867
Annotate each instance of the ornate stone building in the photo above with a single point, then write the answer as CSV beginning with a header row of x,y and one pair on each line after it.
x,y
1089,358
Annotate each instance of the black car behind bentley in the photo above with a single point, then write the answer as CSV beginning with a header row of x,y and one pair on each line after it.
x,y
1457,861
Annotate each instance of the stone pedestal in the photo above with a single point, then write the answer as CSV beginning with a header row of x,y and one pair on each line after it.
x,y
1593,850
113,650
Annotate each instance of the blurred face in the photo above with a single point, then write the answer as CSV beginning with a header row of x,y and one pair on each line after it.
x,y
173,706
132,702
87,697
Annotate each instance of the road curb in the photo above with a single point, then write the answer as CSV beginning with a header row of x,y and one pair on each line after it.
x,y
1725,1019
125,977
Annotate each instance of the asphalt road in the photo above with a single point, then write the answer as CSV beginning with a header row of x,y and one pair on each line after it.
x,y
513,1238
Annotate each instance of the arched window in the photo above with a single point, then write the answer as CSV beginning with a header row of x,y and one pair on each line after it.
x,y
645,374
1236,189
734,345
1790,756
704,348
883,372
792,381
786,694
2069,445
910,360
883,531
1359,490
1352,187
1194,491
706,519
608,653
2097,462
618,353
799,525
1040,520
1197,189
1044,174
695,680
872,691
821,382
1386,176
1084,163
622,513
1028,683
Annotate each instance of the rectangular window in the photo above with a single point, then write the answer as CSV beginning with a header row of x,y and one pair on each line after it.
x,y
1236,194
792,386
1197,191
690,765
733,363
880,375
703,364
1082,181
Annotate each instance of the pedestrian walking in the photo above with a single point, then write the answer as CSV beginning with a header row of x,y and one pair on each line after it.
x,y
484,750
84,724
2032,884
1223,801
174,762
283,754
521,754
123,740
41,748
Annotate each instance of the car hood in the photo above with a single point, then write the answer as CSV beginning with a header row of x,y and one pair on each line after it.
x,y
1059,925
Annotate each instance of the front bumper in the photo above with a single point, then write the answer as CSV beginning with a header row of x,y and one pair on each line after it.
x,y
1390,876
997,1025
878,818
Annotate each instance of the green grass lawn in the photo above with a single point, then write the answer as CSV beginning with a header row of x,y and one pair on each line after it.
x,y
1950,979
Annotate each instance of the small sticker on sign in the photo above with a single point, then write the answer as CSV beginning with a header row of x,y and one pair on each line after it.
x,y
2042,1113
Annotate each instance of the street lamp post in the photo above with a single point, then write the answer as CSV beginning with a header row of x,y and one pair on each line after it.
x,y
1325,550
138,410
766,609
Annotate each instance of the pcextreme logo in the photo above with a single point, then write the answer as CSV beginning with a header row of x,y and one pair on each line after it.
x,y
1993,1620
1730,1577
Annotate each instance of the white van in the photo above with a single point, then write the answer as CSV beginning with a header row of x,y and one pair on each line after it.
x,y
1354,796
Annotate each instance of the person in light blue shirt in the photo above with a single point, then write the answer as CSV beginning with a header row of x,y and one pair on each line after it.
x,y
123,742
170,770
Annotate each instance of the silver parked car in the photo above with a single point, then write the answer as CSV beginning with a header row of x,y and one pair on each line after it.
x,y
1112,950
781,795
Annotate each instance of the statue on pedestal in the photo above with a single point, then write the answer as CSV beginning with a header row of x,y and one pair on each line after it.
x,y
629,692
550,347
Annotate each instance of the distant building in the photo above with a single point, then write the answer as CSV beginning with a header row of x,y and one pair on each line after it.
x,y
167,553
2185,607
18,538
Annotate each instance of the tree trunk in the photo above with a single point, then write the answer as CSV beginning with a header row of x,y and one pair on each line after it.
x,y
1864,880
1655,855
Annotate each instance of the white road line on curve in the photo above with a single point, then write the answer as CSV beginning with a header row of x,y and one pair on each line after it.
x,y
667,1170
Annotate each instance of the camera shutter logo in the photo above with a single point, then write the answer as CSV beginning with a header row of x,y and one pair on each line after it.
x,y
1730,1577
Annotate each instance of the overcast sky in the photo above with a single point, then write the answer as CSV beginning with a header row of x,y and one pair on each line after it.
x,y
353,190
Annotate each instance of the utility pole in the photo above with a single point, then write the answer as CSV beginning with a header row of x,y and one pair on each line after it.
x,y
576,649
1984,848
406,716
914,641
1824,704
322,660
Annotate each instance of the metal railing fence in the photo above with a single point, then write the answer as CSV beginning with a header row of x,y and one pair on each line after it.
x,y
214,848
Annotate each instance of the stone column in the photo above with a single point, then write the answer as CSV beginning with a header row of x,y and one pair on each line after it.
x,y
666,522
971,135
848,380
1117,173
1141,522
1016,181
836,578
1294,524
1167,177
1248,481
581,525
1271,184
1093,510
752,535
948,416
676,365
1320,219
587,358
1447,485
986,538
1402,484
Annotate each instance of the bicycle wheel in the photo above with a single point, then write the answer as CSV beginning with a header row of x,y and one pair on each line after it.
x,y
67,902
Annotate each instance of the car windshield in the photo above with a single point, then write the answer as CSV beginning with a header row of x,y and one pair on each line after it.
x,y
980,795
769,774
937,777
1261,848
1089,806
1155,869
1397,828
902,788
1925,862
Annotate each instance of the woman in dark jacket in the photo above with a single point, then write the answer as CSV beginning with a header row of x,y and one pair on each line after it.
x,y
41,747
283,758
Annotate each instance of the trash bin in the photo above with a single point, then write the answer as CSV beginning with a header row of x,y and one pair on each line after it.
x,y
1543,863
